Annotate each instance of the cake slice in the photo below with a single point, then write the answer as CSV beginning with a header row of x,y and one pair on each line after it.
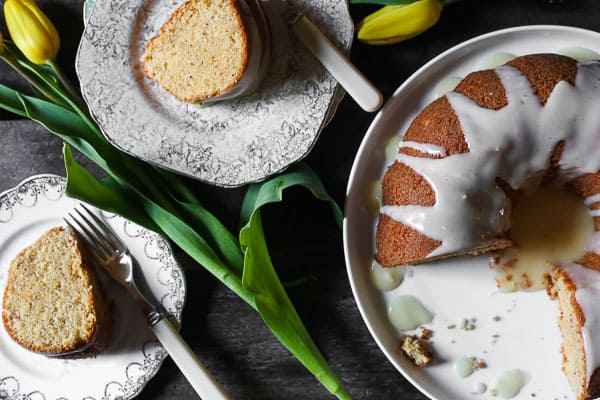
x,y
53,303
578,289
210,49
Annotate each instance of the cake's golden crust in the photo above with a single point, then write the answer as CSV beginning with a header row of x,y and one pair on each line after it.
x,y
485,88
544,71
391,239
402,185
438,124
590,260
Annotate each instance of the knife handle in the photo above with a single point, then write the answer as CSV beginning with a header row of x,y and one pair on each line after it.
x,y
352,80
190,366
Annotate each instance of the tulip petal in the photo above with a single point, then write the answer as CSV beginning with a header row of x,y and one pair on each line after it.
x,y
31,31
392,24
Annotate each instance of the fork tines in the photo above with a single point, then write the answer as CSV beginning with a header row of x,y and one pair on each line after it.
x,y
99,237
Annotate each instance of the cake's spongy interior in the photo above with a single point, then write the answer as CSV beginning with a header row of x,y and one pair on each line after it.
x,y
48,304
200,52
570,321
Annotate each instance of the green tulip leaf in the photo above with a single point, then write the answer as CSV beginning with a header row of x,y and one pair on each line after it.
x,y
261,280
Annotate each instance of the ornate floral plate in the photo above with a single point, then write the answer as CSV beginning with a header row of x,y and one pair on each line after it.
x,y
511,330
134,356
229,143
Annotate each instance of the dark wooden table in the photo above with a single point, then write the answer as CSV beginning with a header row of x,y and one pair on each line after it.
x,y
225,333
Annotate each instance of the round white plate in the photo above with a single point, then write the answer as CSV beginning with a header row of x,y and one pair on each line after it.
x,y
462,288
134,356
229,143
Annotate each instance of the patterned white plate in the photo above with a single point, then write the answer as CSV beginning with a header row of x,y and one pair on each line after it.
x,y
229,143
134,356
512,330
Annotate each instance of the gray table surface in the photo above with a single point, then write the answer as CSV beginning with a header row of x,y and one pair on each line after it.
x,y
230,338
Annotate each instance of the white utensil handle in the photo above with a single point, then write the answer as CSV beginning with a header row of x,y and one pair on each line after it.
x,y
362,91
197,375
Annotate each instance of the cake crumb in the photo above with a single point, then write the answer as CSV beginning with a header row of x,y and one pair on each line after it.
x,y
495,338
468,324
416,350
453,326
426,334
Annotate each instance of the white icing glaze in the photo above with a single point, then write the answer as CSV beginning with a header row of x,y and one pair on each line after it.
x,y
447,85
408,313
551,226
510,383
465,366
513,143
431,149
495,60
587,282
385,279
592,199
579,53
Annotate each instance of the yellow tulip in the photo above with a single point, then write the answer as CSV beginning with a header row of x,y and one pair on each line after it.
x,y
393,24
31,31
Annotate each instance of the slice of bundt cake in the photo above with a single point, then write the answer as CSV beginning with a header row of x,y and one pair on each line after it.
x,y
209,49
578,289
53,303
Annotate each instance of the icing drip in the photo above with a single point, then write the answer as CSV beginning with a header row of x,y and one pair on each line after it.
x,y
431,149
513,143
587,294
549,227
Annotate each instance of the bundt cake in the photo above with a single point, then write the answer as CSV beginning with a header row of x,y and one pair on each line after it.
x,y
210,50
52,302
470,153
472,156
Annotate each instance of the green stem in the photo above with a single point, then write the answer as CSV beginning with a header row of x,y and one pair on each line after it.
x,y
33,82
76,102
66,83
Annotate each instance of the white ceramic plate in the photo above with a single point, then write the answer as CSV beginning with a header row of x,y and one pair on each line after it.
x,y
528,337
134,356
229,143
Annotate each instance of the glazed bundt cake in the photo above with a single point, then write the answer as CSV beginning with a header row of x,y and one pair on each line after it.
x,y
469,154
471,157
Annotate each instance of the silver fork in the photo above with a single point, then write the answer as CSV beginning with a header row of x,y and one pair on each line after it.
x,y
113,255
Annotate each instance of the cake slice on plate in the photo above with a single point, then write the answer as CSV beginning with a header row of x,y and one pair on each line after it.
x,y
53,303
210,49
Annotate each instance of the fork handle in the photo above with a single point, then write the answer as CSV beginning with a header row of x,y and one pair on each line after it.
x,y
192,368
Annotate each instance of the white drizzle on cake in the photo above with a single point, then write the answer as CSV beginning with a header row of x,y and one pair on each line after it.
x,y
513,143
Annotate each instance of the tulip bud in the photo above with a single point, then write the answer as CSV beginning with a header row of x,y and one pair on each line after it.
x,y
31,31
393,24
